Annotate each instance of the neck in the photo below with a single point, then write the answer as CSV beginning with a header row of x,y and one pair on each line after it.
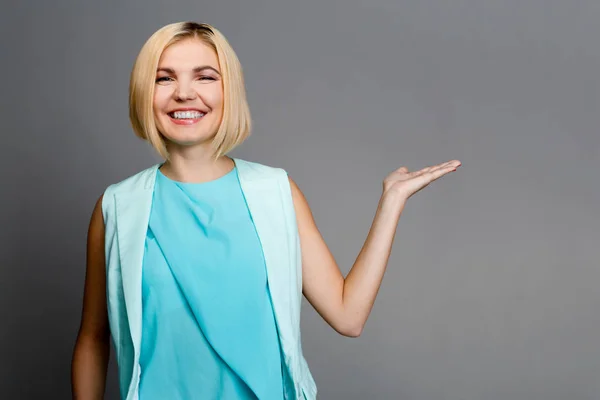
x,y
196,168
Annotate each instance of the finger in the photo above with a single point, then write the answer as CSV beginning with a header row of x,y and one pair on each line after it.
x,y
420,172
438,173
432,168
423,170
453,164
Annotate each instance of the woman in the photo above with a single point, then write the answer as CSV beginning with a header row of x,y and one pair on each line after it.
x,y
196,266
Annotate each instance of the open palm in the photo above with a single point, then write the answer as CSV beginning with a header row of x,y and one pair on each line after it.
x,y
406,183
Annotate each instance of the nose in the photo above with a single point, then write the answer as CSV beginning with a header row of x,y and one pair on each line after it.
x,y
184,91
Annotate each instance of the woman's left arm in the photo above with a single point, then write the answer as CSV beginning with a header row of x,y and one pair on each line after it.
x,y
345,303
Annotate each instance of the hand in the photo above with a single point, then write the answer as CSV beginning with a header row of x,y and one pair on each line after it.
x,y
403,183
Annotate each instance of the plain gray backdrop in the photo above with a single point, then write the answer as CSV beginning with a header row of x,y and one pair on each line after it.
x,y
492,290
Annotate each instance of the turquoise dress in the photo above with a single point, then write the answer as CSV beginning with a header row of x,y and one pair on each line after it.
x,y
208,325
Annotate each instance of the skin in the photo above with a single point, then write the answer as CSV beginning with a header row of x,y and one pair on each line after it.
x,y
178,86
344,303
91,352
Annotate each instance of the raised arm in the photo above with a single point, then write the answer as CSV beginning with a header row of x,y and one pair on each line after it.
x,y
92,348
345,303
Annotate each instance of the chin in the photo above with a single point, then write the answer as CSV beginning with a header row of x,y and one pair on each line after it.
x,y
188,139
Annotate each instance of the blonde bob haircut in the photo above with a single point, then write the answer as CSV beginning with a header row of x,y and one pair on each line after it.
x,y
235,124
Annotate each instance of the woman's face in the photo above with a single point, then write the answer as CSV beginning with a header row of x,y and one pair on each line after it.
x,y
188,95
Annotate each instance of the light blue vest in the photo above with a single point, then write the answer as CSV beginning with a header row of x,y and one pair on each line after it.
x,y
126,209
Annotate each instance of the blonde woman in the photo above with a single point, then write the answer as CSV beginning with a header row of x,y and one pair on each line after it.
x,y
196,266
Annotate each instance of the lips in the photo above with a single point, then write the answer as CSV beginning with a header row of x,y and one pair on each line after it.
x,y
186,116
188,109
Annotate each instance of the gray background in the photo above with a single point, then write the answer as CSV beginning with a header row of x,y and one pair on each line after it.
x,y
492,287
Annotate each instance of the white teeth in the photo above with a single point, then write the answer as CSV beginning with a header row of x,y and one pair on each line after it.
x,y
187,114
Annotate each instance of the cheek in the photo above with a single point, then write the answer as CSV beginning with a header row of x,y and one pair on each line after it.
x,y
161,99
214,99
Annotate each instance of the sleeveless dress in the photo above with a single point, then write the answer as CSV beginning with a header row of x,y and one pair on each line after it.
x,y
208,329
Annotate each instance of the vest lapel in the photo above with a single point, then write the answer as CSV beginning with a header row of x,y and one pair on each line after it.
x,y
264,200
133,213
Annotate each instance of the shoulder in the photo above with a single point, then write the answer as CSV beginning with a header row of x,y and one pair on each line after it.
x,y
138,181
253,170
290,188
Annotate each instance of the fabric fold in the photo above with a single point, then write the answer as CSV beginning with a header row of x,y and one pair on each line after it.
x,y
208,327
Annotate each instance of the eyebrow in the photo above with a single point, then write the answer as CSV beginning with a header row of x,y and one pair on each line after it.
x,y
195,70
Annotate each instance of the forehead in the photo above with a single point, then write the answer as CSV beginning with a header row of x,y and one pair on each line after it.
x,y
188,54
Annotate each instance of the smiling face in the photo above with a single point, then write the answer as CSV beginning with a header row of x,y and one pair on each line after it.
x,y
188,93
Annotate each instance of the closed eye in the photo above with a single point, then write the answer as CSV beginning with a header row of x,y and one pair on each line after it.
x,y
163,79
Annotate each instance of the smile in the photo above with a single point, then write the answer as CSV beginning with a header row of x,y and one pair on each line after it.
x,y
185,117
186,114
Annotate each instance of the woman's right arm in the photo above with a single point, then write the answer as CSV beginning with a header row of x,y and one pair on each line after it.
x,y
92,348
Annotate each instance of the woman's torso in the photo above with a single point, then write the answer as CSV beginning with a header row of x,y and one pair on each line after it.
x,y
208,329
